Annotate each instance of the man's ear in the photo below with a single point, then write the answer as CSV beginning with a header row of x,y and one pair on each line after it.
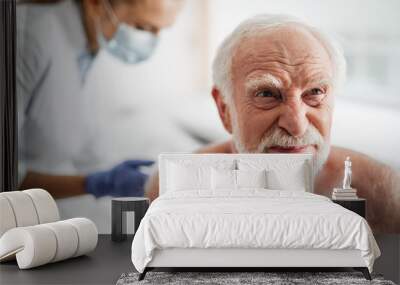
x,y
223,109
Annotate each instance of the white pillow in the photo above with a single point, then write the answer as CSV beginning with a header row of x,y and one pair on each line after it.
x,y
227,179
223,179
187,177
282,174
293,180
251,178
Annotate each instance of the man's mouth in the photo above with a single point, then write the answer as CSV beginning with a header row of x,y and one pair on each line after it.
x,y
290,149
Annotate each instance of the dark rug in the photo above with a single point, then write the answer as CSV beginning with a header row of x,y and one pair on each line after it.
x,y
228,278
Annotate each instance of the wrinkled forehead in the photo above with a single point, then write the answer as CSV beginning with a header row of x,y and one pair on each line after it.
x,y
292,52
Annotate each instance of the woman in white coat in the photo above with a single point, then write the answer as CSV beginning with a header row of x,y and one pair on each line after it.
x,y
57,47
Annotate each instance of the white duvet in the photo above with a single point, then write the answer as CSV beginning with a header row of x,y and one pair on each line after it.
x,y
253,218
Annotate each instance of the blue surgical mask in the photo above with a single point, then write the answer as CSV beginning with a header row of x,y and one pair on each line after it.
x,y
129,44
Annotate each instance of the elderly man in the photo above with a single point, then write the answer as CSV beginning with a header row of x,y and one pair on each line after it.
x,y
275,79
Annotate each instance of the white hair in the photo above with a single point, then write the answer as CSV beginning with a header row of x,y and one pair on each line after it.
x,y
253,27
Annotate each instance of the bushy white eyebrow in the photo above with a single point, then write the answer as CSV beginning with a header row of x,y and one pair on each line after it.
x,y
320,81
265,79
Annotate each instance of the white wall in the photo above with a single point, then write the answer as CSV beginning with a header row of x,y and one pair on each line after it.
x,y
357,17
369,129
180,62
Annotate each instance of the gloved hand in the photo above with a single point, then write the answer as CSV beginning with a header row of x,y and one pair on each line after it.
x,y
125,179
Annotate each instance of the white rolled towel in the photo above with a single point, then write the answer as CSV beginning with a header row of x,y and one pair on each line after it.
x,y
23,208
26,208
32,246
40,244
67,239
87,235
45,206
7,218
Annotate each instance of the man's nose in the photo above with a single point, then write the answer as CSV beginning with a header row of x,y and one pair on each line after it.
x,y
293,118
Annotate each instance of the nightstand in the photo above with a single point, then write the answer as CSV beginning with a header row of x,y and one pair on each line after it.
x,y
358,205
119,209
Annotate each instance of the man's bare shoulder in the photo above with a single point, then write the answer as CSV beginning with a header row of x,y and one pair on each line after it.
x,y
225,147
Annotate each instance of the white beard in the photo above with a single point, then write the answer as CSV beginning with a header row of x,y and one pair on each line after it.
x,y
277,137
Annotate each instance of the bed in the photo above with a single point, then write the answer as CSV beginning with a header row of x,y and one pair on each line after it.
x,y
247,211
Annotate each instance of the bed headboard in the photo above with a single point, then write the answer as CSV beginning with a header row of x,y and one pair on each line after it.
x,y
235,159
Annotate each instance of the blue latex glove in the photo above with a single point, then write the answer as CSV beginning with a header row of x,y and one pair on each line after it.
x,y
125,179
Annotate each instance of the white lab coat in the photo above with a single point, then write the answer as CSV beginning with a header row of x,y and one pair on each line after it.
x,y
71,126
49,42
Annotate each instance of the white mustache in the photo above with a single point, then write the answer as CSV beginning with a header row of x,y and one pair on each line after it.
x,y
278,137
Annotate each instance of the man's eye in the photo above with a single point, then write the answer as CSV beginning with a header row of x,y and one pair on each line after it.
x,y
314,96
267,94
316,91
267,99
